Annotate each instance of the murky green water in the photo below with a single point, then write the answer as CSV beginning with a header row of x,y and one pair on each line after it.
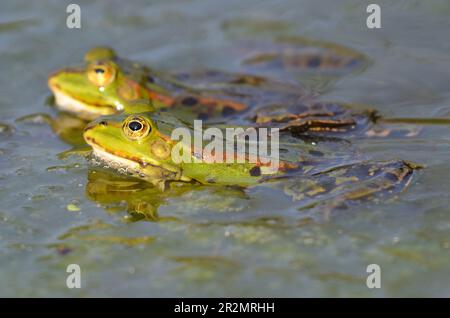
x,y
205,242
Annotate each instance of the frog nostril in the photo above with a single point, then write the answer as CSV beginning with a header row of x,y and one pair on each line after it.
x,y
103,123
88,127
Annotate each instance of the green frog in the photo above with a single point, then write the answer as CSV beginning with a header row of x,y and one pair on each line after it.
x,y
106,84
142,145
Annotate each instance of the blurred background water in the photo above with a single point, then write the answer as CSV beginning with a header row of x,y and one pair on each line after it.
x,y
203,243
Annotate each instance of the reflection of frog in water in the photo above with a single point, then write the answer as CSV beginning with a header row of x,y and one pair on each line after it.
x,y
143,200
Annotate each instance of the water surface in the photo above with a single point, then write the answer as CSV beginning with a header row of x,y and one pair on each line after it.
x,y
206,242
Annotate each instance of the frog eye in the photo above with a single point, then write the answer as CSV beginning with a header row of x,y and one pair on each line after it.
x,y
101,73
136,127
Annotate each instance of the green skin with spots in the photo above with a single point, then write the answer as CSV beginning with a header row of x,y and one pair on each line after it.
x,y
76,92
321,170
106,135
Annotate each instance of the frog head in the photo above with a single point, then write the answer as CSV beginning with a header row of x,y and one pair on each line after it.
x,y
103,86
137,144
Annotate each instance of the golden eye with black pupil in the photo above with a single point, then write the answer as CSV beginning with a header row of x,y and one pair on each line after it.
x,y
136,127
101,73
